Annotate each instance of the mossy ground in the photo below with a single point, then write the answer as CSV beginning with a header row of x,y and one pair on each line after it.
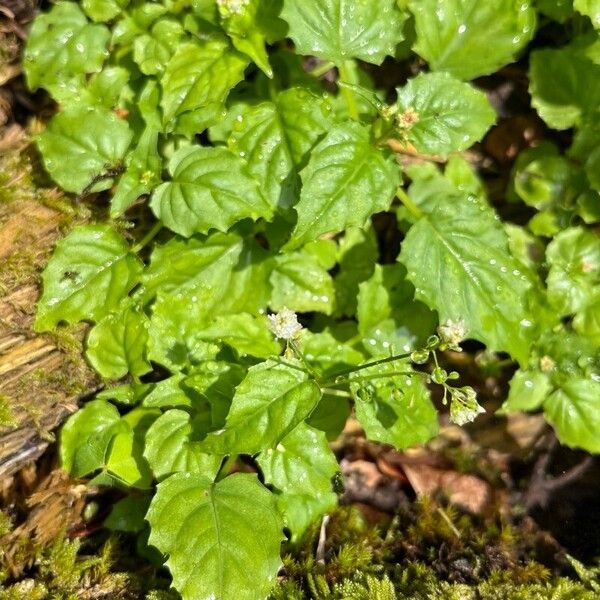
x,y
421,553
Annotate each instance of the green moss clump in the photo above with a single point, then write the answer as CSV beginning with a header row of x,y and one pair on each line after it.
x,y
425,553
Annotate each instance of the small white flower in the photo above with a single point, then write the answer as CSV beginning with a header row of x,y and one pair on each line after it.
x,y
464,407
452,333
285,324
407,119
232,6
547,364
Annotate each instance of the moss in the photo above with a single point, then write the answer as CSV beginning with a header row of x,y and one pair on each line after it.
x,y
428,554
6,416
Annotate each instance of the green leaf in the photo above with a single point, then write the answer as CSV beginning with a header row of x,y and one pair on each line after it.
x,y
528,391
587,321
247,334
357,256
128,514
196,83
222,273
82,144
210,188
90,272
454,35
209,532
301,469
275,138
394,410
117,344
272,400
85,437
174,341
346,180
592,169
301,284
330,416
559,10
244,23
389,320
152,50
62,45
103,10
574,411
590,8
170,447
142,175
457,257
564,86
574,275
446,115
338,31
124,461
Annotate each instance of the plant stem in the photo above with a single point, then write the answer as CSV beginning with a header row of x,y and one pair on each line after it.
x,y
375,376
347,92
374,363
412,208
338,393
321,69
148,237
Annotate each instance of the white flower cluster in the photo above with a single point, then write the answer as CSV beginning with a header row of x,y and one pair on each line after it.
x,y
464,407
284,324
452,333
229,7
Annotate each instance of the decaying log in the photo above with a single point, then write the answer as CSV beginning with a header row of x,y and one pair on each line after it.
x,y
42,377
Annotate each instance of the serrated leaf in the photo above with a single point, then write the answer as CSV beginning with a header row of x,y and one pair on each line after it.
x,y
394,410
103,10
454,35
174,341
152,50
275,137
347,179
210,188
574,275
457,257
574,411
590,8
301,469
222,273
90,272
81,144
124,462
302,463
271,401
528,391
448,115
117,344
301,284
196,83
170,447
338,31
142,175
389,320
61,45
85,437
564,86
248,334
245,24
209,532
